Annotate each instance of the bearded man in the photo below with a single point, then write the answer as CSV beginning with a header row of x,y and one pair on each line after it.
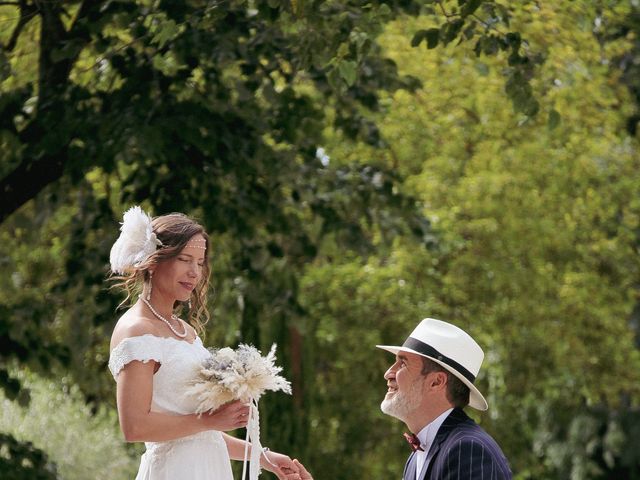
x,y
429,384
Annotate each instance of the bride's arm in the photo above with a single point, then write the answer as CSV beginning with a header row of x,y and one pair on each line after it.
x,y
140,424
280,465
236,447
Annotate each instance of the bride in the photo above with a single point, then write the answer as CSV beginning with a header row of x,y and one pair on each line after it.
x,y
154,354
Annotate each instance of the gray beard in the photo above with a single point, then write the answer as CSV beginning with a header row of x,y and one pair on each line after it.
x,y
402,405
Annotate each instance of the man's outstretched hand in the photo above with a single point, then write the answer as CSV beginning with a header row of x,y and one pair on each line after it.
x,y
304,475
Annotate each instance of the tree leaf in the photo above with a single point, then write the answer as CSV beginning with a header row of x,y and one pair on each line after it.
x,y
514,40
167,31
348,71
418,37
470,7
450,30
384,11
470,31
554,119
433,36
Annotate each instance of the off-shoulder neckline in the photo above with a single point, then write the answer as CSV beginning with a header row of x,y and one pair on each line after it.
x,y
197,339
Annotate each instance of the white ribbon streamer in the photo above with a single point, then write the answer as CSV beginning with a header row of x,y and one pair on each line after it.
x,y
253,437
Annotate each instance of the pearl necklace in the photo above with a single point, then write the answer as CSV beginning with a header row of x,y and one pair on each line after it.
x,y
173,317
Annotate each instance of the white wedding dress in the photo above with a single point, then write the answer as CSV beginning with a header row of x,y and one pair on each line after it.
x,y
202,456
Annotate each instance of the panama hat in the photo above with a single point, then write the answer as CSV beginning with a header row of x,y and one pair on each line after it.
x,y
452,348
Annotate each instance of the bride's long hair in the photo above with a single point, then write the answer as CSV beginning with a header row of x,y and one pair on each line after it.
x,y
174,230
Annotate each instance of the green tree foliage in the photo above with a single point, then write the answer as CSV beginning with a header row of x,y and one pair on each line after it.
x,y
439,198
622,20
80,443
116,77
191,106
102,102
537,255
22,461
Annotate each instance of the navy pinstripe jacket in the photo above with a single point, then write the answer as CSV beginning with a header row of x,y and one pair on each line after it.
x,y
461,451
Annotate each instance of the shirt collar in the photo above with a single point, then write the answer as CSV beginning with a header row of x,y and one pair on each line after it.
x,y
428,433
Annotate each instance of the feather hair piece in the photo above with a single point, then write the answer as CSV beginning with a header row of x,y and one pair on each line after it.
x,y
135,243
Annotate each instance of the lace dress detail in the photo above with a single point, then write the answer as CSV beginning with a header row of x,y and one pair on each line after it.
x,y
142,348
202,456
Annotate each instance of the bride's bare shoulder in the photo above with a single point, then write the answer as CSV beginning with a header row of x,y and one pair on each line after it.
x,y
131,324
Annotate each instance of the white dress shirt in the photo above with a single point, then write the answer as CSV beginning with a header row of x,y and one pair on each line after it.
x,y
426,436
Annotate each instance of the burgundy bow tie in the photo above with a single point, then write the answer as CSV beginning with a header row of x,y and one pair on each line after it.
x,y
414,442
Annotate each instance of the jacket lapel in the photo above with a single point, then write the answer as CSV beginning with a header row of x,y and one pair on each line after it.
x,y
410,468
456,417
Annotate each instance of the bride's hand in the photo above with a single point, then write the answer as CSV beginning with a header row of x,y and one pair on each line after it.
x,y
280,465
230,416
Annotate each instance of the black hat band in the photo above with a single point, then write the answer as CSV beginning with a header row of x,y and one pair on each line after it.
x,y
428,350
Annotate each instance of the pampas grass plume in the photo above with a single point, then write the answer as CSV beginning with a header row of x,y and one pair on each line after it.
x,y
241,374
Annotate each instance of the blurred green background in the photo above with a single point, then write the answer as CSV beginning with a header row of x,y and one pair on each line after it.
x,y
359,166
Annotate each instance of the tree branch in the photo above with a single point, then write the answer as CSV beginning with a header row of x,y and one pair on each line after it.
x,y
488,26
26,181
446,14
40,166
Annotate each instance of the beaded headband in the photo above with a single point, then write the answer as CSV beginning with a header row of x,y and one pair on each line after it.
x,y
199,243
